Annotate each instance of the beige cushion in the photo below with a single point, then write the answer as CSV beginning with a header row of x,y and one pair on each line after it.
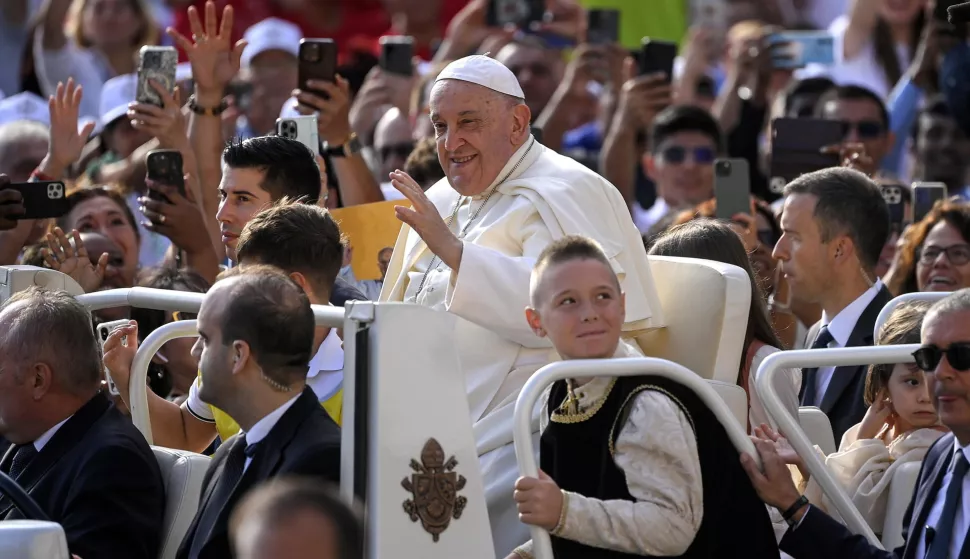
x,y
817,428
900,493
705,306
735,397
182,473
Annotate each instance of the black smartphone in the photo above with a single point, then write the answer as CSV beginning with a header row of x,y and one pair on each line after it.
x,y
42,199
657,56
520,13
317,61
165,167
732,187
925,196
397,54
603,27
796,148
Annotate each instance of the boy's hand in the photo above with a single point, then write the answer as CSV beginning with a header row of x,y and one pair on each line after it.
x,y
539,501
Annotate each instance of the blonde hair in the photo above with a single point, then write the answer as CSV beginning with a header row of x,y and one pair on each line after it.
x,y
149,34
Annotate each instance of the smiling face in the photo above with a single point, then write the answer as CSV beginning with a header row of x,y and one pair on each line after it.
x,y
477,130
943,260
579,306
103,215
242,197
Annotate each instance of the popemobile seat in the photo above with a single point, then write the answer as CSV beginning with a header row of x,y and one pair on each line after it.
x,y
901,490
705,310
182,474
32,539
818,428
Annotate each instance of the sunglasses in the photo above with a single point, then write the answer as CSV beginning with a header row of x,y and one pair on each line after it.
x,y
865,129
179,315
958,255
928,357
400,150
678,154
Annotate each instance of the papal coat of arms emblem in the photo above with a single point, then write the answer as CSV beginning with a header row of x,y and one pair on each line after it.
x,y
434,488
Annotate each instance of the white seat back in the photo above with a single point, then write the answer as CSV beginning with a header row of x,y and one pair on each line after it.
x,y
735,398
817,427
705,307
900,493
32,539
182,473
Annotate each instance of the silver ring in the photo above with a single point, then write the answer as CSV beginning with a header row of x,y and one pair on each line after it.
x,y
161,219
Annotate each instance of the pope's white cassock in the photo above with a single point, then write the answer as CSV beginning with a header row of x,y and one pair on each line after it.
x,y
545,197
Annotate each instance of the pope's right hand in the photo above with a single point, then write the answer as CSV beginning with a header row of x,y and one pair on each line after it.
x,y
119,356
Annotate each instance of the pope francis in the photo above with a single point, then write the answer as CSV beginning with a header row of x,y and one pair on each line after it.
x,y
468,246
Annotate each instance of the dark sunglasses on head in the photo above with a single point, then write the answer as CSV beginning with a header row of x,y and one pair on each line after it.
x,y
928,357
958,255
865,129
400,150
678,154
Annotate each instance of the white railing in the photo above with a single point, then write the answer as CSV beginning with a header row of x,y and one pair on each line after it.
x,y
836,357
931,296
537,383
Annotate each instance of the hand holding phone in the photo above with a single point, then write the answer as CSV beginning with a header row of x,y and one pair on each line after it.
x,y
11,205
317,62
156,64
38,200
164,166
657,57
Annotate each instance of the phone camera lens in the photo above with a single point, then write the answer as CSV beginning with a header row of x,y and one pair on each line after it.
x,y
723,168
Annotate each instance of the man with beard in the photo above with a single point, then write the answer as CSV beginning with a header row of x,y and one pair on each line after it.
x,y
940,147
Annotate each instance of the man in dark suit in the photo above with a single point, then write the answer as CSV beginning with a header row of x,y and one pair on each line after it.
x,y
934,526
256,332
834,225
77,456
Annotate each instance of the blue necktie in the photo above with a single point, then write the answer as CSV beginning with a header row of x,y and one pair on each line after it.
x,y
822,341
940,546
22,458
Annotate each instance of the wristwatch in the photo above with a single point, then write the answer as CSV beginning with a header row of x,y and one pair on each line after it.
x,y
351,147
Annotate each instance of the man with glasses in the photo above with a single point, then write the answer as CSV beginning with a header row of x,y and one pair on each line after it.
x,y
936,522
685,141
864,119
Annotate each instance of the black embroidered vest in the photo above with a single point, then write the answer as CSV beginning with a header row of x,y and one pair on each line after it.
x,y
579,457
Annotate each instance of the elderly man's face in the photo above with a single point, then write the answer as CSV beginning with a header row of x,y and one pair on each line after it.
x,y
950,388
15,392
477,130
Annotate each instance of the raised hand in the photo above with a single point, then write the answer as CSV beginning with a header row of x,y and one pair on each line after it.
x,y
333,114
176,216
119,354
424,218
167,123
66,141
215,60
61,256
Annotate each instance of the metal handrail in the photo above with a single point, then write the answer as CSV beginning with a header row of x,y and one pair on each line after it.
x,y
931,296
537,383
774,364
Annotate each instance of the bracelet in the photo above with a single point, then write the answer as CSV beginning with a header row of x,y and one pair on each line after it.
x,y
799,503
207,111
37,176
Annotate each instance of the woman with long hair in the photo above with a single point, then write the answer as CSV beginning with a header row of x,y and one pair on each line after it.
x,y
934,254
710,240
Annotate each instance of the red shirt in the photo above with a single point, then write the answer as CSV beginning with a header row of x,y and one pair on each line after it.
x,y
449,9
362,24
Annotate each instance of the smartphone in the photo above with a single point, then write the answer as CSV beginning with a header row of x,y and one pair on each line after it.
x,y
159,65
42,199
317,61
397,54
896,197
104,330
732,187
164,166
520,13
603,27
302,129
797,49
657,56
536,133
925,196
796,148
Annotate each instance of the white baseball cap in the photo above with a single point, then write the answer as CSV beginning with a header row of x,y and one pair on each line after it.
x,y
483,71
271,34
116,95
289,108
24,106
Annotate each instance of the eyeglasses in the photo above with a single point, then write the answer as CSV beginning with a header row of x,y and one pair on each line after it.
x,y
928,357
678,154
400,150
179,315
958,255
865,129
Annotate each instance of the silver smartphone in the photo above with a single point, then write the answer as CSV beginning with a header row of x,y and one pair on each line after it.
x,y
797,49
104,330
157,64
732,187
302,129
925,196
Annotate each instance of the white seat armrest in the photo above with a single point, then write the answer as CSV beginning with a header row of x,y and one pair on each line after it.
x,y
817,427
735,397
182,473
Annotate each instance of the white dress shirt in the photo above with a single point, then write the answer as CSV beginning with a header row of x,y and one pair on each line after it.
x,y
326,373
961,522
645,218
42,440
264,426
841,328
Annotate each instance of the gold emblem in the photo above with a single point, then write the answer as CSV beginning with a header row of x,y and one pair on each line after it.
x,y
434,488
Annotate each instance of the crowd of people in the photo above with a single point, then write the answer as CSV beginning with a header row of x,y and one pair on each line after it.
x,y
536,171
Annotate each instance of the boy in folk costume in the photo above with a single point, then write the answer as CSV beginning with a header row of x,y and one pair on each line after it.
x,y
630,466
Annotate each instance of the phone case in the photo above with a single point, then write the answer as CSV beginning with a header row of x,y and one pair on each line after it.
x,y
894,197
604,27
42,199
657,56
515,12
165,166
302,129
797,49
318,61
796,148
732,187
925,196
158,64
396,55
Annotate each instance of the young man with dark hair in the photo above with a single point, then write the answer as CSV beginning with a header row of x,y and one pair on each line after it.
x,y
940,147
834,225
685,140
864,119
256,333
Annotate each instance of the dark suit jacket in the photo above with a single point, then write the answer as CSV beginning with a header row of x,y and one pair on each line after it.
x,y
843,402
819,536
98,478
305,441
